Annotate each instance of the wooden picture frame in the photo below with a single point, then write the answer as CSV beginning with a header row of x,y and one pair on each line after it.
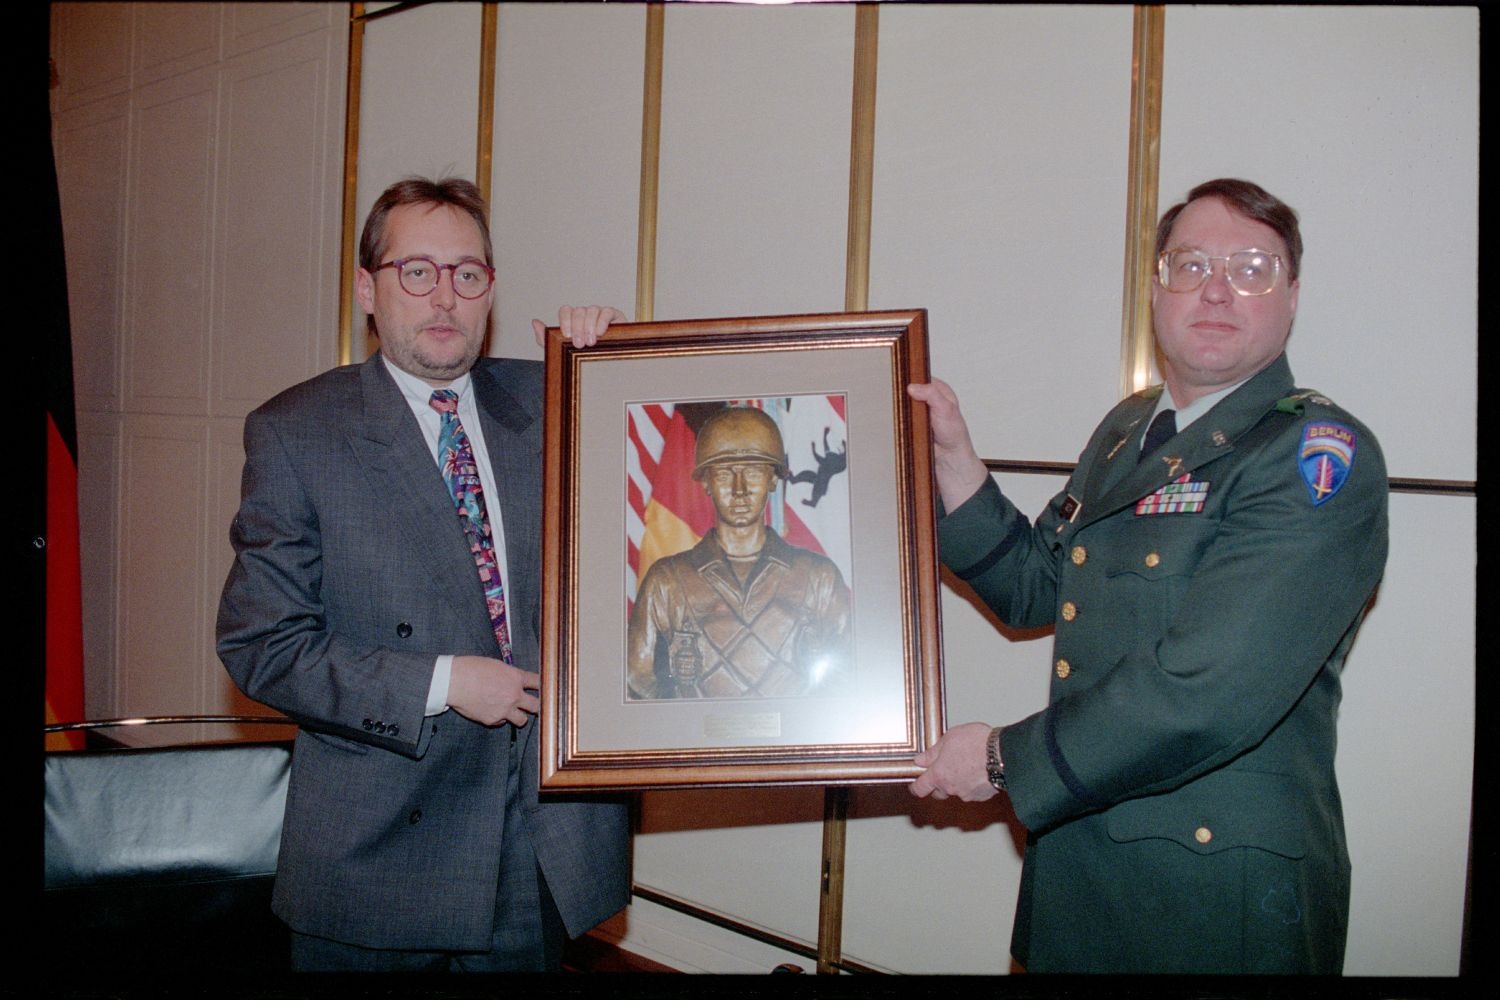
x,y
676,649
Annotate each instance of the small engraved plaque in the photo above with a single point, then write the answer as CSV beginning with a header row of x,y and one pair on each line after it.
x,y
762,725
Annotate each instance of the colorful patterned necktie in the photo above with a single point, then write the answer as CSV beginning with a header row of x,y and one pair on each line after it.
x,y
456,458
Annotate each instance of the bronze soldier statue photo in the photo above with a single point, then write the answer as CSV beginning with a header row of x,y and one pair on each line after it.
x,y
743,612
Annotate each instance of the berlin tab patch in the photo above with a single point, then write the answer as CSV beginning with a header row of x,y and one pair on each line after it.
x,y
1183,495
1324,459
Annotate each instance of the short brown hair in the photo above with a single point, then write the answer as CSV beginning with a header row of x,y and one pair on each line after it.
x,y
1250,200
455,191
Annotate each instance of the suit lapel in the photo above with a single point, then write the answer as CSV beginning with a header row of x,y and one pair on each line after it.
x,y
401,471
512,436
1118,458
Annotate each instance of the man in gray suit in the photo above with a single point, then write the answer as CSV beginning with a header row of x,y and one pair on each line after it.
x,y
385,595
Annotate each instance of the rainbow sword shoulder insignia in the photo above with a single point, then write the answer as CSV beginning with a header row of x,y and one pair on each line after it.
x,y
1324,458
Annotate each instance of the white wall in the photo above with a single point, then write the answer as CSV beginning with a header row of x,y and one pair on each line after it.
x,y
566,163
999,205
1366,120
198,160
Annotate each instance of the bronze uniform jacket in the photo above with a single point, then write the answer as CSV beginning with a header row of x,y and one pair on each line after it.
x,y
784,632
351,575
1179,788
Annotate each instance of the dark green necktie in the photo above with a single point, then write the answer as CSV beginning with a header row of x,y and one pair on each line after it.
x,y
1163,427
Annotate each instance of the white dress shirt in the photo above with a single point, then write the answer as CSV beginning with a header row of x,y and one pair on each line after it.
x,y
1188,413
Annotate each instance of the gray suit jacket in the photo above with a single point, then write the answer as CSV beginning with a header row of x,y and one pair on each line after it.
x,y
351,575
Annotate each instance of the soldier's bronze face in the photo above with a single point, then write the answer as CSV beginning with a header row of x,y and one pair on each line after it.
x,y
739,491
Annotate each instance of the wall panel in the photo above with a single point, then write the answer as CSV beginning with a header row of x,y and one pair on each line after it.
x,y
163,635
169,240
1365,120
1000,170
92,44
566,166
752,854
1406,744
969,856
249,26
174,38
418,106
91,182
419,102
754,160
681,941
182,178
277,276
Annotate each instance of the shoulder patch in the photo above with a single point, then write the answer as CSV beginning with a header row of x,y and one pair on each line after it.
x,y
1324,458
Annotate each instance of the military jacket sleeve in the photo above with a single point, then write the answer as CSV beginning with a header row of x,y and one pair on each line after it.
x,y
1184,638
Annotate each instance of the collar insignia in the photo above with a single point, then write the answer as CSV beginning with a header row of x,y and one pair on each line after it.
x,y
1129,428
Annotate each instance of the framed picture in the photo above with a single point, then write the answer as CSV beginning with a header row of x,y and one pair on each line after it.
x,y
739,564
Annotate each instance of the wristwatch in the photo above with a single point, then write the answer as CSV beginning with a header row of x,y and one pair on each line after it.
x,y
993,765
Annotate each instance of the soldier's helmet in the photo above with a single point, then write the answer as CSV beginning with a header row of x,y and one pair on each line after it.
x,y
739,434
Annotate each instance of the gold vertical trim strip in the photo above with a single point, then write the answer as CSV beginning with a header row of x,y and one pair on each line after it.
x,y
831,900
351,182
484,141
861,157
645,247
1140,211
856,298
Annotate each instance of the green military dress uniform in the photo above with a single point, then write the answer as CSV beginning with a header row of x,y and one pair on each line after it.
x,y
1179,788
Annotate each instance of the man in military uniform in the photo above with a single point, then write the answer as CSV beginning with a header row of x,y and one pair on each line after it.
x,y
1206,578
743,612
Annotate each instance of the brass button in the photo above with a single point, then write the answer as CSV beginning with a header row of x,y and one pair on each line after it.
x,y
1069,611
1203,835
1153,560
1079,555
1064,668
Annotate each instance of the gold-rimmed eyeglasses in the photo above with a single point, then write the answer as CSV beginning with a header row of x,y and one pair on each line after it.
x,y
1249,272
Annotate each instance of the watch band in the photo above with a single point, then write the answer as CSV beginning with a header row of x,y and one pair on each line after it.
x,y
993,765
